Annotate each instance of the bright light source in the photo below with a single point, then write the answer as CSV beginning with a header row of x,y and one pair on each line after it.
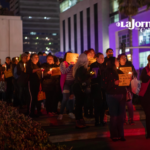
x,y
33,33
26,37
47,48
54,34
37,38
50,43
46,38
30,17
45,17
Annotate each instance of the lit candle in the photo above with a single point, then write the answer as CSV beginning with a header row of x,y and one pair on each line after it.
x,y
50,69
5,67
24,65
16,58
130,72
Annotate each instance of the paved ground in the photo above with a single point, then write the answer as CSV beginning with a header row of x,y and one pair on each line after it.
x,y
131,143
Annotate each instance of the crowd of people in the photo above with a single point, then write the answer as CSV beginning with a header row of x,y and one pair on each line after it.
x,y
92,86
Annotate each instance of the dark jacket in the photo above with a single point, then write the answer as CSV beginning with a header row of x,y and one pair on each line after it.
x,y
96,79
145,78
34,78
108,82
23,76
49,82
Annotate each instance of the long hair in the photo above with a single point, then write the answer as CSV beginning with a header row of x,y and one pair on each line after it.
x,y
82,61
111,63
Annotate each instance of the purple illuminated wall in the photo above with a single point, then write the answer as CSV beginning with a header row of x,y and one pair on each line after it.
x,y
114,40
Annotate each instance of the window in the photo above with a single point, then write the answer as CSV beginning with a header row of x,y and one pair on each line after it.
x,y
143,58
54,34
66,4
114,6
33,33
144,37
114,18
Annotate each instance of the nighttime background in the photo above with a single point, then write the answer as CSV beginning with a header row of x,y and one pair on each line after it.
x,y
4,3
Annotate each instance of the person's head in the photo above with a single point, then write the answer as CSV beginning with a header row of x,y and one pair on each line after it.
x,y
28,56
109,52
148,58
35,58
112,63
8,60
122,59
56,60
44,54
24,57
50,59
40,54
92,52
15,60
82,61
99,58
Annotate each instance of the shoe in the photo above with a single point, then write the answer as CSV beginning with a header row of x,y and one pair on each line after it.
x,y
83,122
34,116
131,123
103,123
71,115
122,139
54,114
125,123
114,139
79,125
97,125
147,137
50,114
60,117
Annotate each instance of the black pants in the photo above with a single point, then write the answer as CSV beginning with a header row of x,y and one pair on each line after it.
x,y
23,95
51,102
80,98
9,90
145,102
99,110
34,89
88,105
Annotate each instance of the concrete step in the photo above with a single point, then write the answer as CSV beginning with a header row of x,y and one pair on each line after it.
x,y
52,121
69,133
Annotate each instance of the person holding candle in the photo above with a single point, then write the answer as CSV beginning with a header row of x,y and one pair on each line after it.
x,y
22,81
35,76
115,97
97,93
49,86
9,80
123,62
66,82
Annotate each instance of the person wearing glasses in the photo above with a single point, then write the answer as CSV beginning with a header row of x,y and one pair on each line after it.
x,y
109,53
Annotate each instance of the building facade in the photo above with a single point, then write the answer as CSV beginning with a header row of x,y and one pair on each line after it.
x,y
83,25
10,45
40,24
88,24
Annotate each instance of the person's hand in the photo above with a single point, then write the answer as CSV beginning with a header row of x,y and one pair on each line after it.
x,y
116,82
148,73
49,72
70,66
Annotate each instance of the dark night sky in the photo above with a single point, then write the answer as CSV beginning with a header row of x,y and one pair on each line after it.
x,y
4,3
